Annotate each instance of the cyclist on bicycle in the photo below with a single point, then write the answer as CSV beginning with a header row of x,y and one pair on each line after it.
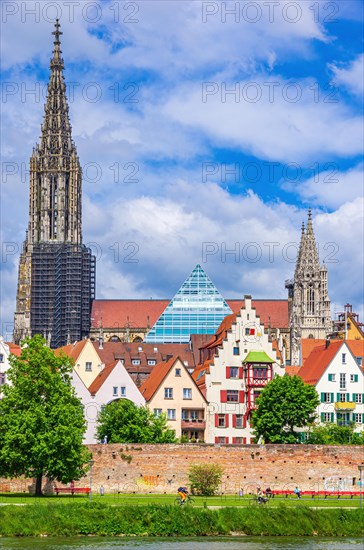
x,y
183,493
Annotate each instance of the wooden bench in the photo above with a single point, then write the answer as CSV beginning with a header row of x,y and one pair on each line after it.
x,y
72,490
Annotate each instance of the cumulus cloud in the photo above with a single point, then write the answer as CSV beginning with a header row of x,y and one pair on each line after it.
x,y
351,75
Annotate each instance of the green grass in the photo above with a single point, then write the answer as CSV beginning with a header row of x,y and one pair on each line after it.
x,y
143,499
77,518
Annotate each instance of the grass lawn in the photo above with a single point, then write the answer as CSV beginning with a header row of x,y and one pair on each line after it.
x,y
142,499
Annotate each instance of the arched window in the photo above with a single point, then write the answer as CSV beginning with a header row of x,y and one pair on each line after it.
x,y
114,338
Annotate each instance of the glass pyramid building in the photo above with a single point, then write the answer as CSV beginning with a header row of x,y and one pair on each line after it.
x,y
197,308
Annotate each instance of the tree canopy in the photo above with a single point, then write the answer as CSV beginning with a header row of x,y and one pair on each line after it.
x,y
332,434
41,419
122,421
285,403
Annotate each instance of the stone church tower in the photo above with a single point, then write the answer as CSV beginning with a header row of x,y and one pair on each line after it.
x,y
56,271
309,304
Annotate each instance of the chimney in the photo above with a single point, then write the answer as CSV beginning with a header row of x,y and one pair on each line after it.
x,y
247,301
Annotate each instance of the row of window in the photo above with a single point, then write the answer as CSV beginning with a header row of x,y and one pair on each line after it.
x,y
188,416
135,362
329,397
330,417
234,440
115,391
237,421
343,379
168,392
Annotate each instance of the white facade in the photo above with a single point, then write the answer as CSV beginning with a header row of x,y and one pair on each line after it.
x,y
341,390
228,393
5,352
111,384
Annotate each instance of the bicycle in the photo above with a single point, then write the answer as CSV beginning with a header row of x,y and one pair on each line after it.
x,y
259,500
188,501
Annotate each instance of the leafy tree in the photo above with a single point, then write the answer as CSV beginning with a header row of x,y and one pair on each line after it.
x,y
285,403
332,434
122,421
41,419
205,479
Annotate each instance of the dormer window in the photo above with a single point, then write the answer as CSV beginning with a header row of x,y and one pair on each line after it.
x,y
135,362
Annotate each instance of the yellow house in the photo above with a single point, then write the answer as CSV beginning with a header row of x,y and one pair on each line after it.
x,y
170,389
87,361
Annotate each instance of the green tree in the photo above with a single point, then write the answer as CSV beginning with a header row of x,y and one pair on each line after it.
x,y
122,421
205,479
285,403
332,434
41,419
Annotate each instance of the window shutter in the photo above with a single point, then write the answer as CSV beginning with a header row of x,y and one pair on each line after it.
x,y
226,420
234,420
241,396
337,397
223,396
226,440
322,417
331,397
244,440
332,417
322,397
353,417
227,372
347,397
234,440
330,377
216,439
240,372
354,397
356,378
216,420
244,421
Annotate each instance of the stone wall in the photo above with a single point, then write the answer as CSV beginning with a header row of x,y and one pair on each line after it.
x,y
162,468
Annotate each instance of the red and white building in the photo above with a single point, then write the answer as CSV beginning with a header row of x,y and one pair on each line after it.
x,y
236,365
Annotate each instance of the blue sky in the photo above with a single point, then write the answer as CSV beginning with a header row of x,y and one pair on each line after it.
x,y
177,170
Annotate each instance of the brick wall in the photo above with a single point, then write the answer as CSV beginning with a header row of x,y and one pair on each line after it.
x,y
162,468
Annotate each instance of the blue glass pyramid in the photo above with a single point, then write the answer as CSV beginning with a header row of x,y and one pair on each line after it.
x,y
197,308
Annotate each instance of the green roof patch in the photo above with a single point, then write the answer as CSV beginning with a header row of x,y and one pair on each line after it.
x,y
258,357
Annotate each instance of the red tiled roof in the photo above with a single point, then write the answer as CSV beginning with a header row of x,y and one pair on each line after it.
x,y
318,361
101,377
158,374
292,370
14,348
144,313
140,350
309,344
356,347
72,350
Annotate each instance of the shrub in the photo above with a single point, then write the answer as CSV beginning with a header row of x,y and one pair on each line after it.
x,y
205,479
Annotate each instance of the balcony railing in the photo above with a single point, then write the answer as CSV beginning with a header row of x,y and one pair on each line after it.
x,y
345,405
193,424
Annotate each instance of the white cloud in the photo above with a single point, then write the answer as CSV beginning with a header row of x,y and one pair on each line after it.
x,y
351,76
332,188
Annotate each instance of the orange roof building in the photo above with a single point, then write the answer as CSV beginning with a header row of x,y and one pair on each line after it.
x,y
170,389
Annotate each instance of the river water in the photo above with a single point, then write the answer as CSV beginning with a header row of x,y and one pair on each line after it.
x,y
210,543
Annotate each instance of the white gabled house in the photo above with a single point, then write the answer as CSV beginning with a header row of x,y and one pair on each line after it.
x,y
335,369
236,365
6,348
111,384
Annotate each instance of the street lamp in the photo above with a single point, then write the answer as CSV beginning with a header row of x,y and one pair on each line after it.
x,y
91,462
361,468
